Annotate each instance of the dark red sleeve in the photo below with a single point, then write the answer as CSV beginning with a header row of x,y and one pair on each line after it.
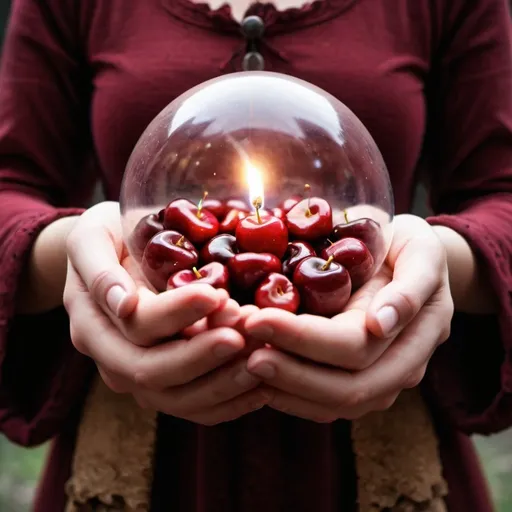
x,y
44,145
470,139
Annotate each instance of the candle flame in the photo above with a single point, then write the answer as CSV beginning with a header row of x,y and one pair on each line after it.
x,y
255,183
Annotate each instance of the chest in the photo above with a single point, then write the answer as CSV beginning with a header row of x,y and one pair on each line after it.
x,y
368,53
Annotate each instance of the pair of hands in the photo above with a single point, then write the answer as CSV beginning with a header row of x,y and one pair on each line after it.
x,y
196,354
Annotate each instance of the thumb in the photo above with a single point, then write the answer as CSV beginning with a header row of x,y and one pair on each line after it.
x,y
92,253
417,275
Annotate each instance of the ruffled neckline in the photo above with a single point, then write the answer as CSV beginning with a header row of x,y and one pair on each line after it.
x,y
276,21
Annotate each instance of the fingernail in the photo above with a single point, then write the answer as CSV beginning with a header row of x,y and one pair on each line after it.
x,y
244,378
115,297
222,294
222,351
264,370
262,332
387,318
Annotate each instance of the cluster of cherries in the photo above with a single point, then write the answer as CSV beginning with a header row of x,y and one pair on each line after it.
x,y
294,257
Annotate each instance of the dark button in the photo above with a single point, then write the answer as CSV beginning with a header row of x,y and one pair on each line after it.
x,y
253,61
253,27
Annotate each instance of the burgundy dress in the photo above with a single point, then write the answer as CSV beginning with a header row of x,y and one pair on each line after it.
x,y
432,81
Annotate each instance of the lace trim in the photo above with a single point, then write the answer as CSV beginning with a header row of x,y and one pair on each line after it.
x,y
294,18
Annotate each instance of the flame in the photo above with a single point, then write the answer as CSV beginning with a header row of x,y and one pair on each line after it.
x,y
255,183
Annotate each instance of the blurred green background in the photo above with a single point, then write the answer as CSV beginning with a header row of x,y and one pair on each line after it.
x,y
20,468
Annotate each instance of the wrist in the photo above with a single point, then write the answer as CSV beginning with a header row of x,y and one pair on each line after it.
x,y
470,290
44,277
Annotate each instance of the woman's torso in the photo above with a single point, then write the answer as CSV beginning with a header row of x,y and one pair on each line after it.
x,y
374,55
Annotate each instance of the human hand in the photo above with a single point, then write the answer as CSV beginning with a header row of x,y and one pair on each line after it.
x,y
359,361
133,334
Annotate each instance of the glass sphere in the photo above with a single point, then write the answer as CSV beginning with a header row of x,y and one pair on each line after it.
x,y
247,147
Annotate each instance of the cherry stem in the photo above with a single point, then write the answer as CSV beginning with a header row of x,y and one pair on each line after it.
x,y
307,190
257,204
280,291
332,243
200,205
328,263
345,214
179,243
197,273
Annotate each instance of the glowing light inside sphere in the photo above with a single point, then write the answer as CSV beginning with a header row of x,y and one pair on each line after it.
x,y
254,180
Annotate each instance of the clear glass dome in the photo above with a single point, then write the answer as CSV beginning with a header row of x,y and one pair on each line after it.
x,y
253,145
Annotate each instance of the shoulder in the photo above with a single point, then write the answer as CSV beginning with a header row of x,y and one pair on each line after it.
x,y
58,19
464,27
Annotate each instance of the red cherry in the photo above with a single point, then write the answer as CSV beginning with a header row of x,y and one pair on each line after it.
x,y
320,245
365,229
144,231
295,253
196,223
248,269
276,212
324,286
237,204
352,254
214,274
166,253
230,222
262,233
310,219
221,248
289,203
277,291
215,206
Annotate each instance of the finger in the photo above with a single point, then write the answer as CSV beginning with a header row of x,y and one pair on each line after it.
x,y
95,252
315,393
418,271
297,377
227,316
165,314
115,382
251,343
363,297
409,354
231,410
343,341
299,407
320,413
206,392
94,335
343,390
247,310
196,328
179,362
